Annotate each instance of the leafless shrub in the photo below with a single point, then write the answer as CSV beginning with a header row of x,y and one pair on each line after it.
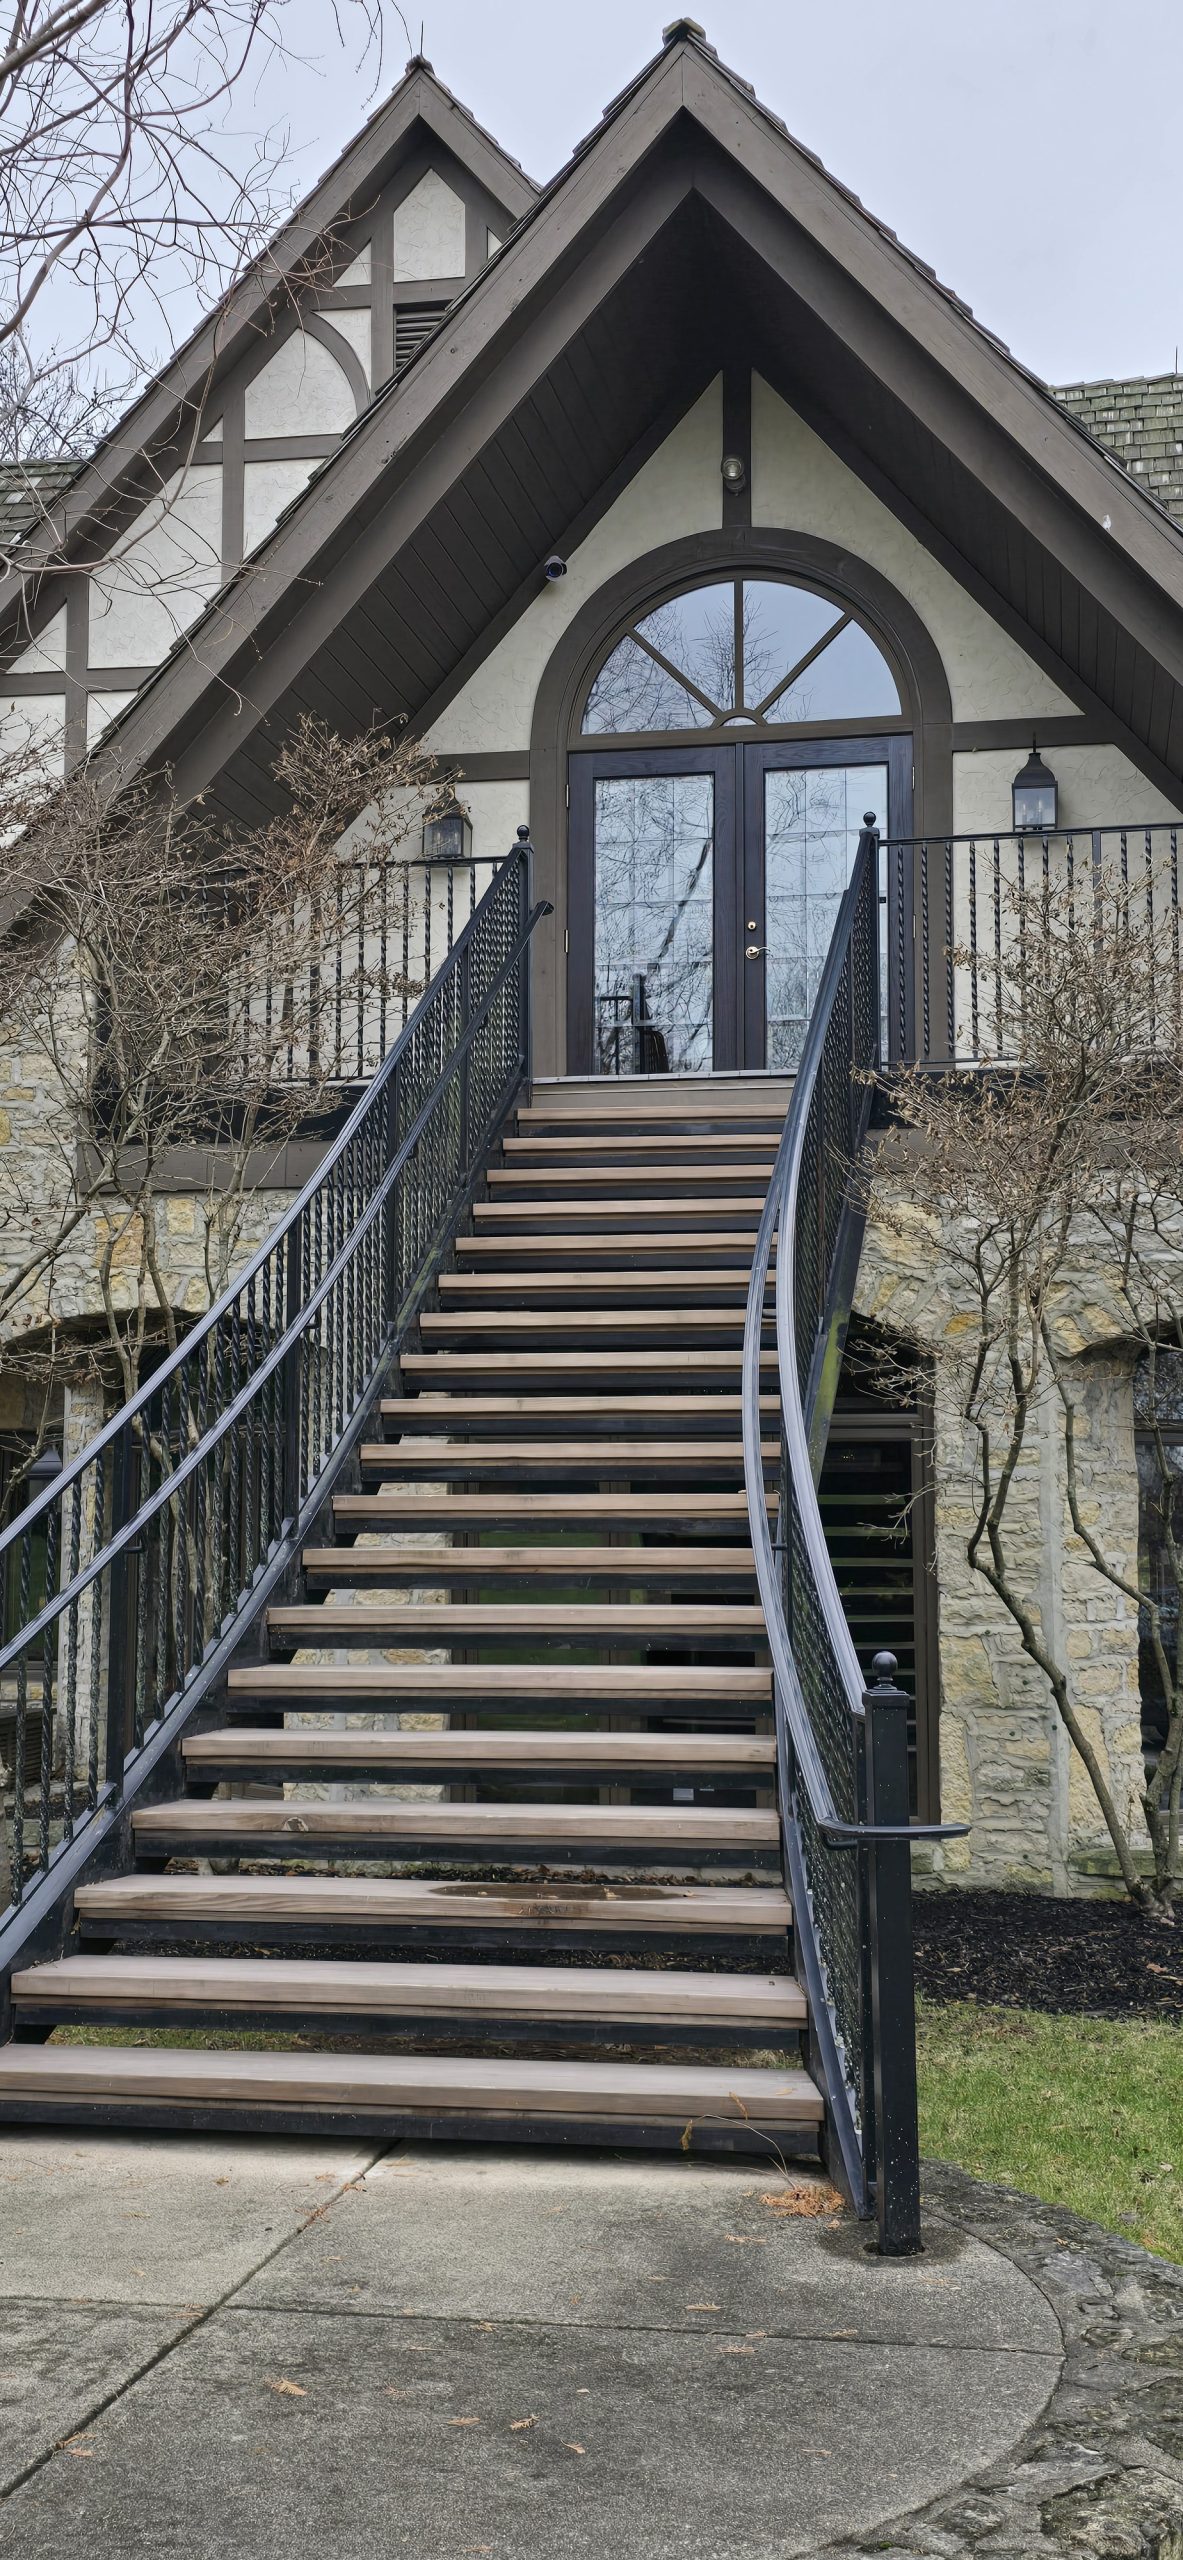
x,y
1059,1157
166,999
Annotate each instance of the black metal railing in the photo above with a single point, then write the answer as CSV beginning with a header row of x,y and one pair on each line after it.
x,y
842,1752
387,931
960,906
156,1547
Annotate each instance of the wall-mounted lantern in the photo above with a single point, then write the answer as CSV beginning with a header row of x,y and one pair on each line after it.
x,y
447,837
1033,797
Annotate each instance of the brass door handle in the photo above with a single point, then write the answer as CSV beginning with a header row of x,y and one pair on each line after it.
x,y
753,950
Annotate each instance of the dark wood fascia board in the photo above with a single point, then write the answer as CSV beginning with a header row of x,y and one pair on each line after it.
x,y
404,436
1104,723
221,339
1071,729
984,441
489,764
572,535
988,380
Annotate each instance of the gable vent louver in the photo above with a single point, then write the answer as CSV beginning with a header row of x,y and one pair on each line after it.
x,y
412,326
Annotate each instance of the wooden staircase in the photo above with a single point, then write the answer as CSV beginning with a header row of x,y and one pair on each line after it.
x,y
520,1710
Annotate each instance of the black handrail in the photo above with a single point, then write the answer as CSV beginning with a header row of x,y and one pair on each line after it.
x,y
155,1546
841,1747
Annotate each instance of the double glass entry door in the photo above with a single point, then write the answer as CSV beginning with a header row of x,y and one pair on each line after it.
x,y
704,888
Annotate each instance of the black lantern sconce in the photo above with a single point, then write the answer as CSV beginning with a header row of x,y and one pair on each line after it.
x,y
1033,797
447,837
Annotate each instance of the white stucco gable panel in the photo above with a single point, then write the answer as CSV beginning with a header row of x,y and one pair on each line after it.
x,y
267,488
800,485
429,232
101,709
160,574
46,655
301,390
34,725
676,492
358,270
355,328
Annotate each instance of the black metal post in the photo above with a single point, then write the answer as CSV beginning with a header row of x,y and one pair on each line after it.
x,y
293,1375
893,1990
525,1007
463,1137
121,1614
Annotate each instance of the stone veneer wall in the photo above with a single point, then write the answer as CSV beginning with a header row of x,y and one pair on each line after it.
x,y
1006,1764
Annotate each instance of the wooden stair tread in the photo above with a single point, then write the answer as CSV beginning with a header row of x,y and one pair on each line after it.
x,y
592,1992
630,1622
443,1364
382,2082
428,1413
314,1902
534,1320
663,1827
610,1456
593,1176
462,1508
502,1283
614,1682
746,1754
490,1212
680,1240
661,1146
424,1565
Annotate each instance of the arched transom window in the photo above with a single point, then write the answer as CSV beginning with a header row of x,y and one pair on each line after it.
x,y
745,655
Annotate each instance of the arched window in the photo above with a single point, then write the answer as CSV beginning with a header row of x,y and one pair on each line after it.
x,y
746,655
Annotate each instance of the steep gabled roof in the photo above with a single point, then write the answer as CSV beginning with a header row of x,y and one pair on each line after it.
x,y
688,220
64,511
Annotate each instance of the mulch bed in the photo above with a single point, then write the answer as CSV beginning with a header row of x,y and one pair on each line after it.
x,y
1025,1951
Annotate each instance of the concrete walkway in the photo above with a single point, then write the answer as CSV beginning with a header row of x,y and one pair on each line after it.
x,y
262,2347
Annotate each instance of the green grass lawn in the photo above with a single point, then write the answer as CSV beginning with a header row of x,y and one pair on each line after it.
x,y
1085,2112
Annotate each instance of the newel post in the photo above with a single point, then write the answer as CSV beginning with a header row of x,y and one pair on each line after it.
x,y
890,1966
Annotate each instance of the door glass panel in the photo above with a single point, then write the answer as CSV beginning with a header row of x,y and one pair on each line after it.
x,y
812,817
654,875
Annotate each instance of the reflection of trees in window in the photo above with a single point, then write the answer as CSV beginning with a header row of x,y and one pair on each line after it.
x,y
654,921
741,653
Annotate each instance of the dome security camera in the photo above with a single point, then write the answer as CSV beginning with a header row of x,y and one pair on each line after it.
x,y
554,567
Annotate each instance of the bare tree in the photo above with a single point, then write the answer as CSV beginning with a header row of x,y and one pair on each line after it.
x,y
1051,1173
173,994
124,174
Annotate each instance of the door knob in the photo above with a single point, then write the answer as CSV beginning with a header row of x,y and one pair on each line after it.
x,y
753,950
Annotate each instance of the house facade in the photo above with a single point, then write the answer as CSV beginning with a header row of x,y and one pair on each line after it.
x,y
693,524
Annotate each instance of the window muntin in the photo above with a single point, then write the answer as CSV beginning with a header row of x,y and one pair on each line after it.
x,y
743,654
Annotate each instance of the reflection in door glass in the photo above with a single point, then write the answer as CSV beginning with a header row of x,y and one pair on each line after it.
x,y
812,817
654,858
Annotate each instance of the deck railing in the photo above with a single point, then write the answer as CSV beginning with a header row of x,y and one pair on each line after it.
x,y
389,929
959,906
138,1568
842,1755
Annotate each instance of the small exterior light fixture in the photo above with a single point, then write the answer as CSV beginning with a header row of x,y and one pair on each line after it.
x,y
1033,797
555,567
735,477
447,837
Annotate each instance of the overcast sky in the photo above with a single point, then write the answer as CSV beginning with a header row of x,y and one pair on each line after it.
x,y
1028,149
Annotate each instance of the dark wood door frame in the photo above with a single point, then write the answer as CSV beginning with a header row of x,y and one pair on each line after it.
x,y
782,755
737,770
